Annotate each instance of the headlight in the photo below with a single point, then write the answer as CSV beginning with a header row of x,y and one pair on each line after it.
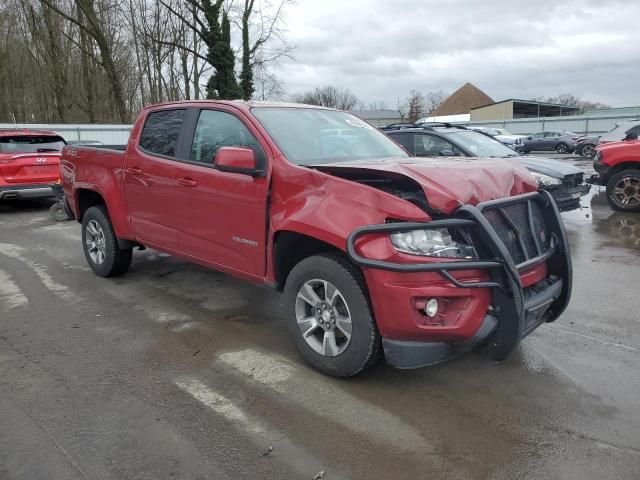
x,y
431,243
546,180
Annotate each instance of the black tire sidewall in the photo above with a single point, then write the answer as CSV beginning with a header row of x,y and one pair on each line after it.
x,y
562,148
99,214
364,337
615,178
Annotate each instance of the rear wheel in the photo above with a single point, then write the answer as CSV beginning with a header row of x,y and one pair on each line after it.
x,y
623,191
329,316
562,148
100,244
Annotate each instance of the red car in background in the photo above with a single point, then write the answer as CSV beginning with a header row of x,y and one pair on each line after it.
x,y
29,163
618,167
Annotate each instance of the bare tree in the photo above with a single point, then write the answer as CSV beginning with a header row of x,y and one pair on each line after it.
x,y
268,85
377,105
571,100
102,60
433,100
415,105
97,30
328,96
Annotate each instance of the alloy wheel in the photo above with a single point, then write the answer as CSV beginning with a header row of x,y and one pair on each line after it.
x,y
627,191
588,151
95,242
323,317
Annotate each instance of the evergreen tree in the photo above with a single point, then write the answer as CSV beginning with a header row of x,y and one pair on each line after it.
x,y
223,83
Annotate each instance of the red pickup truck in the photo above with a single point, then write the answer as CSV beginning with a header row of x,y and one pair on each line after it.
x,y
376,252
29,163
618,167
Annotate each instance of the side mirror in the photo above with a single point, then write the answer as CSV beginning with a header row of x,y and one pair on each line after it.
x,y
529,137
447,153
236,160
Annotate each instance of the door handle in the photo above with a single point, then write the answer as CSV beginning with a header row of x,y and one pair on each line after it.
x,y
133,171
187,182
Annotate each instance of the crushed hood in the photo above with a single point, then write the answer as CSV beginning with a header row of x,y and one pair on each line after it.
x,y
451,182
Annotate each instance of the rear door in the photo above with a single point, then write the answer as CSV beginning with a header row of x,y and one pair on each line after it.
x,y
550,141
149,179
224,214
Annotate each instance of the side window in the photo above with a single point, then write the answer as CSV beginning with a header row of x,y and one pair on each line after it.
x,y
538,135
421,144
551,135
161,131
431,146
404,139
217,129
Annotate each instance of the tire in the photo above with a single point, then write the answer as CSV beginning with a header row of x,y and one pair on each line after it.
x,y
100,244
562,148
588,151
58,212
623,191
326,274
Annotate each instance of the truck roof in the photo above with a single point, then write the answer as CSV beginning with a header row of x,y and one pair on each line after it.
x,y
242,104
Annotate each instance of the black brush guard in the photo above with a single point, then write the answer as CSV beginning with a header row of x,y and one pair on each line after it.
x,y
518,310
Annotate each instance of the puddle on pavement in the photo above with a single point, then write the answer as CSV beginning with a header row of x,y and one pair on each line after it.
x,y
610,228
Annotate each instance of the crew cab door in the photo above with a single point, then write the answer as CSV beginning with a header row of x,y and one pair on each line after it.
x,y
149,181
223,218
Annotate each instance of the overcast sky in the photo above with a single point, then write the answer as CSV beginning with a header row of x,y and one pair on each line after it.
x,y
381,49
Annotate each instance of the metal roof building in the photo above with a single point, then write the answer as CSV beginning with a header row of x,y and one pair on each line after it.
x,y
378,118
514,108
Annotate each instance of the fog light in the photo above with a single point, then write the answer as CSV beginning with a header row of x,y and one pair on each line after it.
x,y
431,309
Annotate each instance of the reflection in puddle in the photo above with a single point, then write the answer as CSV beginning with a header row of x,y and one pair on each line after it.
x,y
620,228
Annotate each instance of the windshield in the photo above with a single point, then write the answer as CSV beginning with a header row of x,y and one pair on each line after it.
x,y
503,131
618,132
31,144
480,145
309,136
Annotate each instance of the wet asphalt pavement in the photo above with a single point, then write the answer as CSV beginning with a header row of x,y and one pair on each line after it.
x,y
177,372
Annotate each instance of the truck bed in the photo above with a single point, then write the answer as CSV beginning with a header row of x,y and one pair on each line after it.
x,y
101,170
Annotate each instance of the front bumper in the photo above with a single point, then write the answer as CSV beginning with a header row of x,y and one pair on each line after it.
x,y
22,192
597,180
476,292
568,198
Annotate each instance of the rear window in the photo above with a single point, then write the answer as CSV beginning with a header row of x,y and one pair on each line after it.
x,y
31,144
161,131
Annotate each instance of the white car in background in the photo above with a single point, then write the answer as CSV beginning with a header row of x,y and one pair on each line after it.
x,y
501,134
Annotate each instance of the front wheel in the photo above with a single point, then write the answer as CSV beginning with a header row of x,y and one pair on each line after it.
x,y
562,148
100,244
329,316
623,191
588,151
